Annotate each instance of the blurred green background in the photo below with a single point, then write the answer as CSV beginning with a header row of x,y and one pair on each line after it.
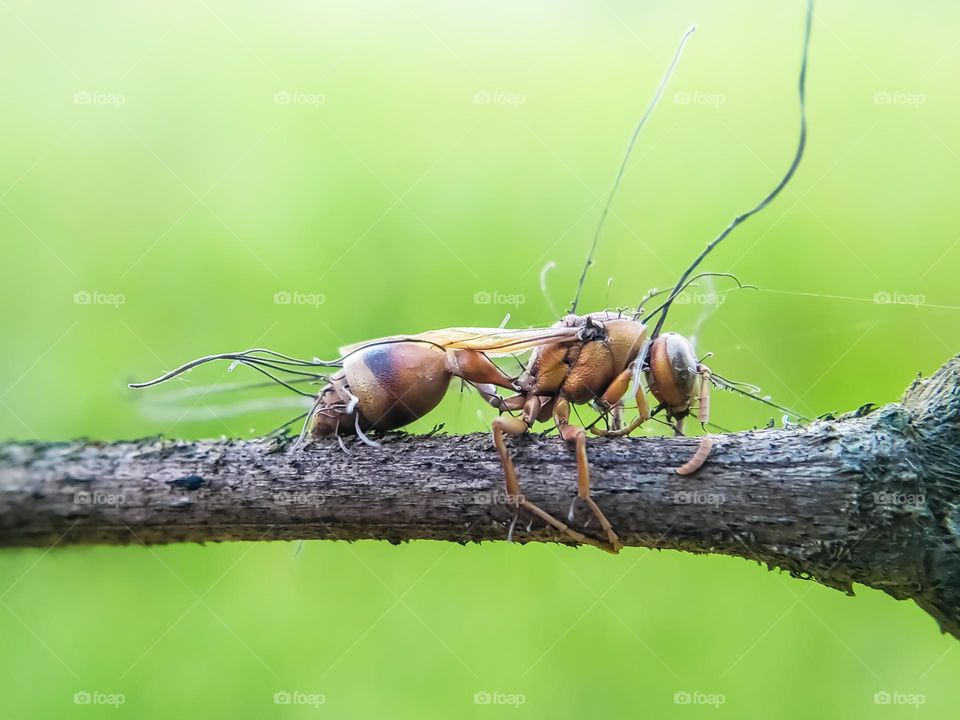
x,y
169,168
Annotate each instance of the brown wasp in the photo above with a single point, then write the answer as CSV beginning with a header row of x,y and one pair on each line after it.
x,y
594,358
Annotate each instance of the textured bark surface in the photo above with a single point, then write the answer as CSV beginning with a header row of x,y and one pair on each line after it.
x,y
867,498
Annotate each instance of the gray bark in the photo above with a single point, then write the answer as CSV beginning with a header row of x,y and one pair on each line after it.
x,y
871,498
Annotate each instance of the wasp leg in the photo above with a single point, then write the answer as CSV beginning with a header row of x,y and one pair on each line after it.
x,y
476,367
516,426
503,404
578,436
616,417
703,415
703,412
613,395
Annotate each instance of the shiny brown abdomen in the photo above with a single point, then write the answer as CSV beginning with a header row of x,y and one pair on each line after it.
x,y
396,383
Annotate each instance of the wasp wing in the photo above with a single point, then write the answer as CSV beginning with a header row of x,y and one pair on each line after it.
x,y
495,341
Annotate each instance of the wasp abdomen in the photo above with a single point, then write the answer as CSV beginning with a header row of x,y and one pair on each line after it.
x,y
396,384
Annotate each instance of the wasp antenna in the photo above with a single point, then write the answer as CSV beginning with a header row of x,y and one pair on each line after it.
x,y
675,292
801,144
275,379
220,388
247,356
259,364
736,387
288,360
740,384
626,158
182,369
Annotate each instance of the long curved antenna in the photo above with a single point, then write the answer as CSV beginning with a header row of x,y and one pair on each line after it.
x,y
801,144
275,379
245,357
721,381
626,158
275,361
220,388
679,291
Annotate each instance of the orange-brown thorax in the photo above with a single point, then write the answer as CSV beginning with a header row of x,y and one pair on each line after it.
x,y
581,371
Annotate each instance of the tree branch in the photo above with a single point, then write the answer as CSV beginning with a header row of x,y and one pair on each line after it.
x,y
868,498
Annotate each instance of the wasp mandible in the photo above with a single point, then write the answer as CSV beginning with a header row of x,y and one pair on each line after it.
x,y
593,358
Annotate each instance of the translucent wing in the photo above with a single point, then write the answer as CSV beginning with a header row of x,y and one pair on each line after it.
x,y
495,341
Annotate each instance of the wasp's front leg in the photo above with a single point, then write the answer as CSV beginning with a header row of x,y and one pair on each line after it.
x,y
578,436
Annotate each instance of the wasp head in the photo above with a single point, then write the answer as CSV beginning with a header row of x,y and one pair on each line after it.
x,y
672,372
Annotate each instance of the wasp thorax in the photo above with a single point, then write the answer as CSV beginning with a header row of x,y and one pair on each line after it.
x,y
672,372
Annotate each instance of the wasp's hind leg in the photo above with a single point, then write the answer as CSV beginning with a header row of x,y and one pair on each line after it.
x,y
578,436
515,426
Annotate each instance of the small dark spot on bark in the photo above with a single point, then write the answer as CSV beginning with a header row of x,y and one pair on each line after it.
x,y
187,482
